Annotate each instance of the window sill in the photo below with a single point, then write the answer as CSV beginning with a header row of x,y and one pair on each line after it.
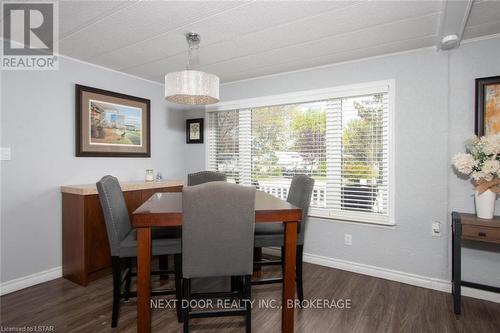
x,y
343,217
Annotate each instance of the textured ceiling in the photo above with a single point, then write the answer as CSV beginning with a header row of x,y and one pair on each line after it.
x,y
244,39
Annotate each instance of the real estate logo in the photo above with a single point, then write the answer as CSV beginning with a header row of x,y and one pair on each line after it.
x,y
30,35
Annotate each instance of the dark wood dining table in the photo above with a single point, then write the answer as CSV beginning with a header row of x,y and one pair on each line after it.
x,y
165,210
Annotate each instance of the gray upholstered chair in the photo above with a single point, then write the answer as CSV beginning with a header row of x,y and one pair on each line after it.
x,y
272,234
205,177
123,244
216,244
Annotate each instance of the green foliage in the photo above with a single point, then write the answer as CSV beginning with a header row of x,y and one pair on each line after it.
x,y
268,136
358,171
309,129
360,156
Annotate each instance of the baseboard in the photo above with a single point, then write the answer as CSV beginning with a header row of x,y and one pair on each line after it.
x,y
383,273
30,280
481,294
393,275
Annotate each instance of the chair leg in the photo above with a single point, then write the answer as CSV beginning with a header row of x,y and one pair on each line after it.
x,y
163,265
257,256
247,287
128,279
186,284
178,285
115,263
298,272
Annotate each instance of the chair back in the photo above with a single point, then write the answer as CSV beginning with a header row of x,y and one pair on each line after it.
x,y
205,177
217,230
300,195
115,212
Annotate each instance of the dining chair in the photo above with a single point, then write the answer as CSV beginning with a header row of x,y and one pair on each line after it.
x,y
216,244
123,245
205,177
272,234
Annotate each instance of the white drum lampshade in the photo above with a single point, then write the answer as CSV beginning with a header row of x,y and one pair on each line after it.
x,y
192,87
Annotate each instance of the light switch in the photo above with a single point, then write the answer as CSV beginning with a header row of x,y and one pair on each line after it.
x,y
436,229
5,154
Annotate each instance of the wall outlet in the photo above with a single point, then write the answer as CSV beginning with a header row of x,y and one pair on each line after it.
x,y
436,229
5,154
348,239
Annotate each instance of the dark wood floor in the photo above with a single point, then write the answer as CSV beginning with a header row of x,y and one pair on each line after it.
x,y
377,306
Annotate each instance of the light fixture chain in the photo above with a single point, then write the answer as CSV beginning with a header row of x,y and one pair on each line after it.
x,y
189,57
193,40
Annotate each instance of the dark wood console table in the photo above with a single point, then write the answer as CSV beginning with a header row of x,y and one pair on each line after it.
x,y
86,254
470,227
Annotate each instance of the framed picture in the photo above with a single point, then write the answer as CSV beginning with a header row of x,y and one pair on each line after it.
x,y
194,130
110,124
487,106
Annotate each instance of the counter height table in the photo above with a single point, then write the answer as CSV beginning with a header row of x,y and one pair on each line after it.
x,y
165,210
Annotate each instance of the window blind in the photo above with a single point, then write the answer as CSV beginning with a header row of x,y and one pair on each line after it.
x,y
357,144
223,143
341,142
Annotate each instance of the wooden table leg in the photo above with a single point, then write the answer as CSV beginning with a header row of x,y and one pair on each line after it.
x,y
289,277
143,280
257,256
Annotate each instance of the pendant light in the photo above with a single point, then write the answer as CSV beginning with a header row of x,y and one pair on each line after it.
x,y
190,86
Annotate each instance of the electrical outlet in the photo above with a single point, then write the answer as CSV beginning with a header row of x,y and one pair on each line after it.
x,y
436,229
348,239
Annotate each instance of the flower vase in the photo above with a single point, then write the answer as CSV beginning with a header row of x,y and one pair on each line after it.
x,y
485,204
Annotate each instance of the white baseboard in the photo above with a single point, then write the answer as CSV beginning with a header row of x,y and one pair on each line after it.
x,y
393,275
384,273
30,280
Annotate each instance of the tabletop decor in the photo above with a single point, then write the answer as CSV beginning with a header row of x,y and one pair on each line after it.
x,y
488,105
481,162
194,130
150,175
110,124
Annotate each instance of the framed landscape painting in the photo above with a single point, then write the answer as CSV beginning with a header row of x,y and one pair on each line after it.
x,y
110,124
488,106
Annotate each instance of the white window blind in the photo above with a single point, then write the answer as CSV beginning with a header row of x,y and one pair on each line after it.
x,y
223,143
342,142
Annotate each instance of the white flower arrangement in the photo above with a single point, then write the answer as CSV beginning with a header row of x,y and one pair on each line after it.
x,y
481,161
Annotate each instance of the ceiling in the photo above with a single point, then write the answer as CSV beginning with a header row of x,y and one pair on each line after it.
x,y
244,39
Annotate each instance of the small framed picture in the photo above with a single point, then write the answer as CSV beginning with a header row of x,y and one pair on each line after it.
x,y
194,130
110,124
487,106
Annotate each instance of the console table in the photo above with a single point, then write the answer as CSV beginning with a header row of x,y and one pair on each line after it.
x,y
86,254
470,227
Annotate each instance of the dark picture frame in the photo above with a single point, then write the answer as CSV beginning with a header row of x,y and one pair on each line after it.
x,y
487,112
111,124
194,130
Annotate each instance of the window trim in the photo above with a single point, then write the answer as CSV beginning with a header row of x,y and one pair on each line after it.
x,y
388,86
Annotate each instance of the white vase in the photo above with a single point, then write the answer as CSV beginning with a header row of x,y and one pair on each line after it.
x,y
485,204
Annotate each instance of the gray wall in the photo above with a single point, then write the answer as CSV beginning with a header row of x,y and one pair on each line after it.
x,y
474,60
433,116
38,123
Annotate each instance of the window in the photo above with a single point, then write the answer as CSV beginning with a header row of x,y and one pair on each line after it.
x,y
340,137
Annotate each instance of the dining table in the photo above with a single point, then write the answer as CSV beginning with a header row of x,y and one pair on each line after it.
x,y
165,210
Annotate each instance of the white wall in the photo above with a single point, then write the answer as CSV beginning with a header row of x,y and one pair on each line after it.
x,y
434,112
38,123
